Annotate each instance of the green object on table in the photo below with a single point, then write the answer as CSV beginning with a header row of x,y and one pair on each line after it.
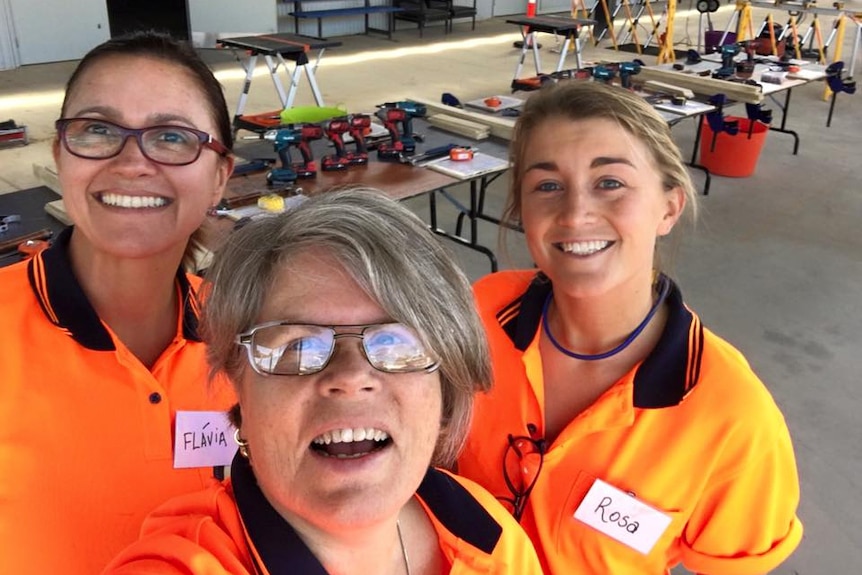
x,y
311,114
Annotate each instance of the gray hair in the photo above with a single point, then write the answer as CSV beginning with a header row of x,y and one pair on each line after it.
x,y
578,100
391,255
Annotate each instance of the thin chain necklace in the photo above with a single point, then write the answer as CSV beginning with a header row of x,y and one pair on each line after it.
x,y
403,547
664,289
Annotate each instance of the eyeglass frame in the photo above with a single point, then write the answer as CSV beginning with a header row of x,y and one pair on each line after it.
x,y
245,339
205,140
520,497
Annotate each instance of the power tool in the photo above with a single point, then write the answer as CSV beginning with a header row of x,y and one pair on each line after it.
x,y
285,138
603,74
728,67
334,130
393,114
358,124
626,71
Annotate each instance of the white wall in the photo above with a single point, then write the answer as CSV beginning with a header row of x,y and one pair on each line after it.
x,y
55,30
211,19
8,49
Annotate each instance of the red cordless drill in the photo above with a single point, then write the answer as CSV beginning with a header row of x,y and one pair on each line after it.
x,y
394,149
334,130
359,123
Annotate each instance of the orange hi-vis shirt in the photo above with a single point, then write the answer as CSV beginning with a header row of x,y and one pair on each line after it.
x,y
690,432
231,529
86,430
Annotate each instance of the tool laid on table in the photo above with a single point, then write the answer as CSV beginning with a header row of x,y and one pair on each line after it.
x,y
433,154
5,221
25,245
234,202
403,142
299,137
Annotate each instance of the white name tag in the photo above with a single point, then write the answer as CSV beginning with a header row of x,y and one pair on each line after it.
x,y
622,517
203,439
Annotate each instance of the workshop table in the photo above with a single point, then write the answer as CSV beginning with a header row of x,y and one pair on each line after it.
x,y
276,49
29,206
398,181
809,72
568,28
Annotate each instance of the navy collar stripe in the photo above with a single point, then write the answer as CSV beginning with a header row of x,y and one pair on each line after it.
x,y
280,548
664,378
65,305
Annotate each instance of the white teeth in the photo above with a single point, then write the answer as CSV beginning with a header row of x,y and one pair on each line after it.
x,y
350,435
584,248
134,202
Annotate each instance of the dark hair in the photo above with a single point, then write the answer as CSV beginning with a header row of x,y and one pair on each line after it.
x,y
160,46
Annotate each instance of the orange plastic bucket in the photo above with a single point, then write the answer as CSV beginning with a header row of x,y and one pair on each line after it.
x,y
733,156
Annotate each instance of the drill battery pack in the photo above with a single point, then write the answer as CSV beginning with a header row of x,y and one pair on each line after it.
x,y
12,134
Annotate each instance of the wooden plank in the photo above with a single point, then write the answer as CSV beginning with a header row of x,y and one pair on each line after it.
x,y
454,124
500,127
704,85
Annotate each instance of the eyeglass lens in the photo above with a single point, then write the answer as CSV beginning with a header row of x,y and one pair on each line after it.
x,y
99,139
296,349
522,463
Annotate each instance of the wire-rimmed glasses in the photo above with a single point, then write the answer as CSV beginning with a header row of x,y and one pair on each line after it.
x,y
285,348
97,139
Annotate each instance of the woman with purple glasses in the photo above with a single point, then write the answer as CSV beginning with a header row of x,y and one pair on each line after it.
x,y
100,349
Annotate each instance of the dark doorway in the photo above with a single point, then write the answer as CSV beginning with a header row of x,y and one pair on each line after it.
x,y
169,16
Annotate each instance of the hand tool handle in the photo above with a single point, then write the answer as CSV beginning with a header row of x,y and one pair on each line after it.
x,y
11,244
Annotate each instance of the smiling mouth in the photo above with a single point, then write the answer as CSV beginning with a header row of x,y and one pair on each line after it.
x,y
132,202
350,443
583,248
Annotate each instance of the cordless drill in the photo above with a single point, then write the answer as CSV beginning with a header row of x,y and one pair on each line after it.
x,y
334,131
393,114
285,138
626,71
358,124
603,74
728,53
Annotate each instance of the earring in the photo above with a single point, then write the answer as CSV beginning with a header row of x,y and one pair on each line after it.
x,y
242,443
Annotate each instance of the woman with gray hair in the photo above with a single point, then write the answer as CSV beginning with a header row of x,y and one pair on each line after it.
x,y
352,342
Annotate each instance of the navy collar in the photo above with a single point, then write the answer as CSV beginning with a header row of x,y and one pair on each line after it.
x,y
281,550
65,305
668,373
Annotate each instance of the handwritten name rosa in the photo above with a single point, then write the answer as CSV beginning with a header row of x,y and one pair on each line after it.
x,y
608,515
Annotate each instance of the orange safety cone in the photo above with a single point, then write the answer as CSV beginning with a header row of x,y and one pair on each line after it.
x,y
531,12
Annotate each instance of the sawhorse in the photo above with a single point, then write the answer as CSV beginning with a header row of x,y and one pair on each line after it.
x,y
568,28
276,49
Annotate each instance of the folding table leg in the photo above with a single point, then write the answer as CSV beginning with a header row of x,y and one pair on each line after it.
x,y
276,81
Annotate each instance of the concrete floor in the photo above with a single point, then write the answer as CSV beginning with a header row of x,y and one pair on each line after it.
x,y
774,265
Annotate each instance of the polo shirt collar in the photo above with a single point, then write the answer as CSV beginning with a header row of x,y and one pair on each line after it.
x,y
667,374
65,305
281,550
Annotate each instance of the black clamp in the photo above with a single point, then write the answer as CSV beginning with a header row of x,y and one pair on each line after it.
x,y
716,120
837,82
6,220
